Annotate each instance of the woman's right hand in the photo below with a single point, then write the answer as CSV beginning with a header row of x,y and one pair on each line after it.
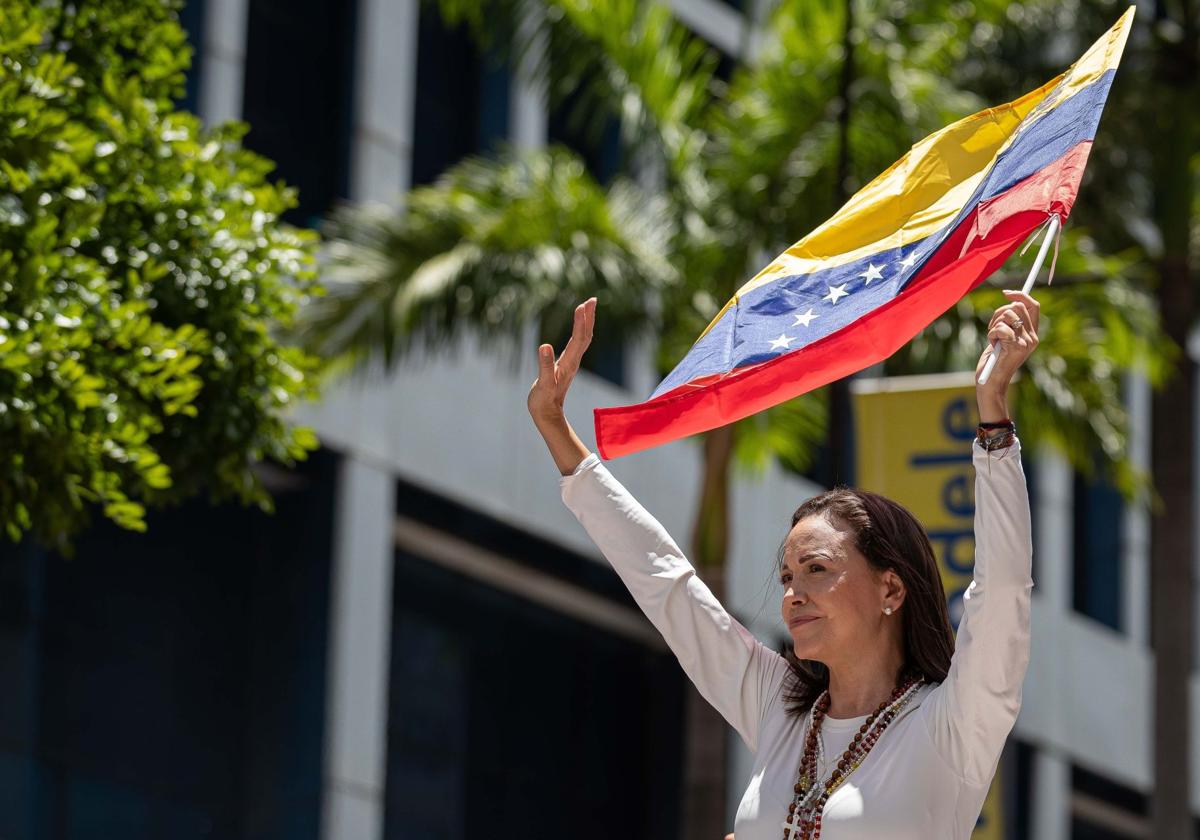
x,y
549,390
1014,329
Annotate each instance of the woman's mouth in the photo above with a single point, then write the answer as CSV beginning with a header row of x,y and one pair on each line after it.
x,y
800,621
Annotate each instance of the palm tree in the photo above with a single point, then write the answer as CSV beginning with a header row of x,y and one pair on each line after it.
x,y
727,173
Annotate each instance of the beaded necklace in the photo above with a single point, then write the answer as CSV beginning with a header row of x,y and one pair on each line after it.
x,y
804,814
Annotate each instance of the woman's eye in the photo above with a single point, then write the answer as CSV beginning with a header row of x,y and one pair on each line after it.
x,y
816,567
785,580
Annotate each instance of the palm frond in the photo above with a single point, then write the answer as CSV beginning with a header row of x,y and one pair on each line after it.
x,y
494,246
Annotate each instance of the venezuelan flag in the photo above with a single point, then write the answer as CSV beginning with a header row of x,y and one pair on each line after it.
x,y
901,252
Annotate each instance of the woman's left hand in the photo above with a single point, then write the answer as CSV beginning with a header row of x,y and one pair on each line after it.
x,y
1015,326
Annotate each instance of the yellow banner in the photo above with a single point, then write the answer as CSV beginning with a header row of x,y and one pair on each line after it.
x,y
913,444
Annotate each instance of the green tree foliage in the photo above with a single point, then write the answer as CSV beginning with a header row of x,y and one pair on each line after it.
x,y
142,273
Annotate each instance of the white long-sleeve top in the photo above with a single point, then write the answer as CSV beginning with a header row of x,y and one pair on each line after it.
x,y
928,775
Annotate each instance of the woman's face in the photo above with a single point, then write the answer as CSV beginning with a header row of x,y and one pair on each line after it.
x,y
832,599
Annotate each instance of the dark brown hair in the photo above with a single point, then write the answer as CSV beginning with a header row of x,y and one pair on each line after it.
x,y
890,537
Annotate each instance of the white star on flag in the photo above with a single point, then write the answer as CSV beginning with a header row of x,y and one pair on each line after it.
x,y
872,273
908,261
782,342
836,292
805,319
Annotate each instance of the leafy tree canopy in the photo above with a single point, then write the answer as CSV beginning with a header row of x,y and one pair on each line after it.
x,y
143,270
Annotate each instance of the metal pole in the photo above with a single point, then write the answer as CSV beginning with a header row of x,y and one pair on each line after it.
x,y
1051,232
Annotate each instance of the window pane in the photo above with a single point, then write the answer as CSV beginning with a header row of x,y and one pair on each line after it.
x,y
1098,513
299,95
171,683
476,670
462,98
1086,822
191,17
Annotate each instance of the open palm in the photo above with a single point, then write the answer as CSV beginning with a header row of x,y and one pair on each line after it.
x,y
549,390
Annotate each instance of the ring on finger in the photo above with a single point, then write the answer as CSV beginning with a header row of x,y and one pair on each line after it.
x,y
1017,323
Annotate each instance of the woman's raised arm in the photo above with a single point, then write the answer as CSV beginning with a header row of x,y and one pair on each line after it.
x,y
972,712
734,672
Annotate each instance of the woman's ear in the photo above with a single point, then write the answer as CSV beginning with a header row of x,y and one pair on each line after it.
x,y
894,590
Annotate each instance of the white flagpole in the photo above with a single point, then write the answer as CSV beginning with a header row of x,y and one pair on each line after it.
x,y
1051,232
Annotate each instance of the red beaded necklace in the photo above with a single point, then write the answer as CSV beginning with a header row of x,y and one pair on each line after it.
x,y
804,813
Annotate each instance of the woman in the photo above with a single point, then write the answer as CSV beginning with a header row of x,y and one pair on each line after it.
x,y
876,726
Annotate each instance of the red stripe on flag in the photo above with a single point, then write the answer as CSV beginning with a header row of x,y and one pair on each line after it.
x,y
977,247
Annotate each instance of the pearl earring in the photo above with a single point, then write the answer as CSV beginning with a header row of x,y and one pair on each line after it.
x,y
887,610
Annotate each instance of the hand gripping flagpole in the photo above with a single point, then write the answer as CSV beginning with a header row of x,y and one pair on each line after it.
x,y
1051,233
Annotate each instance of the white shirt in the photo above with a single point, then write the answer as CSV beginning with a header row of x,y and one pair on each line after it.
x,y
929,773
